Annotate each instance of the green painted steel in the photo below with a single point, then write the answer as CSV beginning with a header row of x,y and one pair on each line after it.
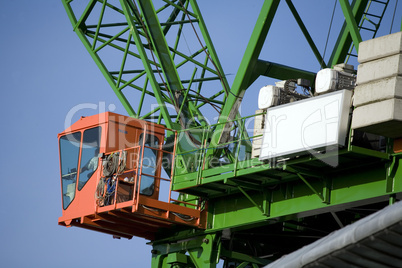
x,y
351,23
344,40
247,65
251,67
200,251
257,211
301,201
307,35
141,61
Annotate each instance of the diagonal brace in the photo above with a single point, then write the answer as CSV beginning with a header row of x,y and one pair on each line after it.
x,y
251,199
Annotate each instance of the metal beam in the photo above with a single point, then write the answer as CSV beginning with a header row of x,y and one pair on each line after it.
x,y
208,42
80,32
306,33
279,71
150,74
369,186
344,39
351,23
246,69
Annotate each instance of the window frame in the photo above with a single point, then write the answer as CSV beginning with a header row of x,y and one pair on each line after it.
x,y
156,147
64,192
79,188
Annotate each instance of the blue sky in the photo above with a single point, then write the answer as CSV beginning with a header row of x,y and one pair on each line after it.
x,y
46,72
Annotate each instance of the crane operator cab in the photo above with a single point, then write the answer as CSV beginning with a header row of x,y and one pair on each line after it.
x,y
111,176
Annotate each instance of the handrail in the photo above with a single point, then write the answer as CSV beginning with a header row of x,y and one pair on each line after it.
x,y
212,126
137,162
200,165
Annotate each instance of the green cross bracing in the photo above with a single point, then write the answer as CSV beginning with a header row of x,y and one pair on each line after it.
x,y
143,51
159,59
252,67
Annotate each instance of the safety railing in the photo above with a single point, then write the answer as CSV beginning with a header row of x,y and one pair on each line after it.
x,y
233,155
126,185
208,163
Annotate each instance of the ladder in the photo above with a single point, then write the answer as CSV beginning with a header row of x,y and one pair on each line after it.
x,y
370,22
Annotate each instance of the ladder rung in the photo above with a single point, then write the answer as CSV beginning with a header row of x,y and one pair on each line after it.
x,y
368,29
372,15
381,2
352,55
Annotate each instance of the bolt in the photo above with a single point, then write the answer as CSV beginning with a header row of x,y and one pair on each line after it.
x,y
205,240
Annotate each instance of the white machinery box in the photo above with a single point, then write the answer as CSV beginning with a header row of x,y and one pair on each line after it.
x,y
306,126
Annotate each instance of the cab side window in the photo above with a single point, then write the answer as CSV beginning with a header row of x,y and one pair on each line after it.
x,y
149,163
89,155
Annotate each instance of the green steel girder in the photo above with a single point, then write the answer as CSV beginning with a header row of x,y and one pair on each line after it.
x,y
142,40
161,49
148,69
246,259
243,194
279,71
251,67
198,251
306,34
140,36
344,40
347,190
211,49
81,34
291,201
149,36
351,23
247,65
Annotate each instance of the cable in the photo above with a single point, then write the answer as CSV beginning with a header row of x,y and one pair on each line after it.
x,y
122,162
105,191
176,105
329,31
206,100
100,189
151,209
152,54
393,17
110,164
205,51
110,190
183,217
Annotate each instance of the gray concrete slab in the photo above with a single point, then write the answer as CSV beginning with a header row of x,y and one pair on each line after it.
x,y
382,118
380,47
379,69
378,90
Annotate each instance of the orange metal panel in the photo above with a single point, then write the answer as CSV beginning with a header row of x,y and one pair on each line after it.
x,y
129,213
398,146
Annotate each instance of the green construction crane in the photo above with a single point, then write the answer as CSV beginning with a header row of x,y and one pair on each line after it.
x,y
159,59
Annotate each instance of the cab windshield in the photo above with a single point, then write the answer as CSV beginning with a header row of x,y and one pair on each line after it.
x,y
69,153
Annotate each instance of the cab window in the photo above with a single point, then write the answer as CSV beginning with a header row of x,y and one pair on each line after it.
x,y
89,155
149,164
69,153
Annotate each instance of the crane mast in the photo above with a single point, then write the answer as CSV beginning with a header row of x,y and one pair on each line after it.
x,y
232,193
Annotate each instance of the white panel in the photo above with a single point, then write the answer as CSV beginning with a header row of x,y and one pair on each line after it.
x,y
268,96
258,130
306,126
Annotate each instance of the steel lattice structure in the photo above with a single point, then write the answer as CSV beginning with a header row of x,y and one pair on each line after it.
x,y
159,59
143,51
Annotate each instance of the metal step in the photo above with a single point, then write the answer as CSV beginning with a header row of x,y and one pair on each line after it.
x,y
366,18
